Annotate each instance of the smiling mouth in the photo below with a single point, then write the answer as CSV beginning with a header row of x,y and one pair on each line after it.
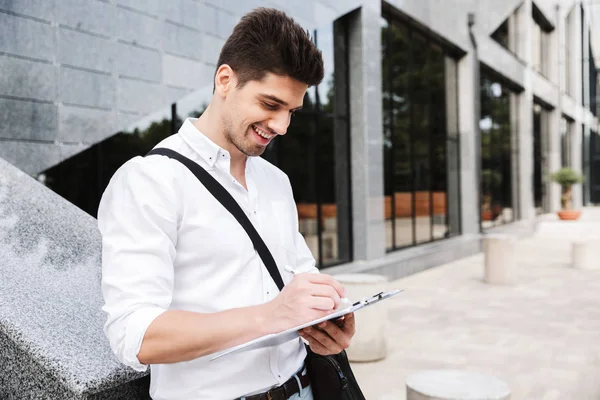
x,y
262,133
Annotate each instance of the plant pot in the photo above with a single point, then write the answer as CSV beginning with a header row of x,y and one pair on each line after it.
x,y
487,215
569,215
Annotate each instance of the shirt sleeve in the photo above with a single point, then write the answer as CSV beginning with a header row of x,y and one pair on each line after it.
x,y
138,219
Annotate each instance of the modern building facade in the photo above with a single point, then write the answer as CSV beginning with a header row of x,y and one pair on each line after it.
x,y
435,123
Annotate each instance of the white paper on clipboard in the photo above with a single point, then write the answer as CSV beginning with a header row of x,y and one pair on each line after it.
x,y
292,333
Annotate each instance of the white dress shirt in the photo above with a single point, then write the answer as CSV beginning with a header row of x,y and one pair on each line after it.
x,y
168,244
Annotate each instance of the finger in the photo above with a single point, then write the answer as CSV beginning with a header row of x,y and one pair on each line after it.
x,y
314,344
324,339
325,291
320,303
349,324
339,322
325,279
339,336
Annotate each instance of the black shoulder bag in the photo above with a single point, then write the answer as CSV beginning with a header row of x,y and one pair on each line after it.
x,y
331,377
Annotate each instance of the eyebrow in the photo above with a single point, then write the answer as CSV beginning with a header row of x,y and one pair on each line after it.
x,y
278,100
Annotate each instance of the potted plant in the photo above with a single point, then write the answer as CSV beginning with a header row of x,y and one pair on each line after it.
x,y
566,178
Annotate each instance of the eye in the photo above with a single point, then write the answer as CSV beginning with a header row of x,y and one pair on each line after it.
x,y
269,106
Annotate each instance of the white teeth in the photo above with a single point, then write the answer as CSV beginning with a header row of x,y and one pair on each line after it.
x,y
261,133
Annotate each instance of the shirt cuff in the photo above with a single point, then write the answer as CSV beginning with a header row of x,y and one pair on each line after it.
x,y
137,324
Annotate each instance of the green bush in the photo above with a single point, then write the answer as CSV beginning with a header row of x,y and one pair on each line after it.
x,y
566,177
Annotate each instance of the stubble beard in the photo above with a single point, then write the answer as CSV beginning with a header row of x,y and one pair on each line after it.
x,y
242,142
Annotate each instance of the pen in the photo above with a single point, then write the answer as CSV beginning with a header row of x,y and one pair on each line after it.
x,y
293,271
343,301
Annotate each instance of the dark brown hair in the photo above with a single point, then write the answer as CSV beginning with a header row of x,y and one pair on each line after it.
x,y
267,40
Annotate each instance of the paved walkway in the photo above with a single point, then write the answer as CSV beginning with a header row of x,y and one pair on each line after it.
x,y
540,336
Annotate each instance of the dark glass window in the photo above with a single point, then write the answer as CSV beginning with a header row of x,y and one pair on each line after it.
x,y
537,158
594,82
315,155
496,160
540,157
566,127
83,178
419,98
500,35
591,165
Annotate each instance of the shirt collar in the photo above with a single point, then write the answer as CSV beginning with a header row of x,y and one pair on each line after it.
x,y
206,148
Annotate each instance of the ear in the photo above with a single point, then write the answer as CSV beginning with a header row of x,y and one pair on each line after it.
x,y
225,80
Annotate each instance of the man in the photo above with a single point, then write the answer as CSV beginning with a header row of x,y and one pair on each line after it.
x,y
181,279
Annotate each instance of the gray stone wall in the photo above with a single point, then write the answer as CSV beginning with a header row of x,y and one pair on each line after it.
x,y
73,72
51,341
77,71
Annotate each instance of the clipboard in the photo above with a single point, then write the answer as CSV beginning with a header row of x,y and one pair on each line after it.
x,y
292,333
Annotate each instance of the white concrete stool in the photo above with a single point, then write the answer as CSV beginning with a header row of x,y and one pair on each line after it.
x,y
454,385
370,340
585,253
500,258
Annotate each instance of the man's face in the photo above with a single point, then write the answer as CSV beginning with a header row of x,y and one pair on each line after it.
x,y
259,111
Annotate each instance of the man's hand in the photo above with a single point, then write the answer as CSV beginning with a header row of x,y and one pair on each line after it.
x,y
330,337
307,297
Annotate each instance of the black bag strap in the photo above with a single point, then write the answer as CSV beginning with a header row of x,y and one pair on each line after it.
x,y
223,196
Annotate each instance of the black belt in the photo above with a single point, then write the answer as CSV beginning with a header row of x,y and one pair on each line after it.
x,y
285,391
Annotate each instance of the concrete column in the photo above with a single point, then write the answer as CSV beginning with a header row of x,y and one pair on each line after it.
x,y
366,132
585,253
518,23
446,384
513,39
525,126
500,259
470,155
554,119
561,34
552,52
371,340
579,200
577,56
577,94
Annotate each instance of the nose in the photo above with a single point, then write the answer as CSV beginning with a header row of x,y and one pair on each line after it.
x,y
280,122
